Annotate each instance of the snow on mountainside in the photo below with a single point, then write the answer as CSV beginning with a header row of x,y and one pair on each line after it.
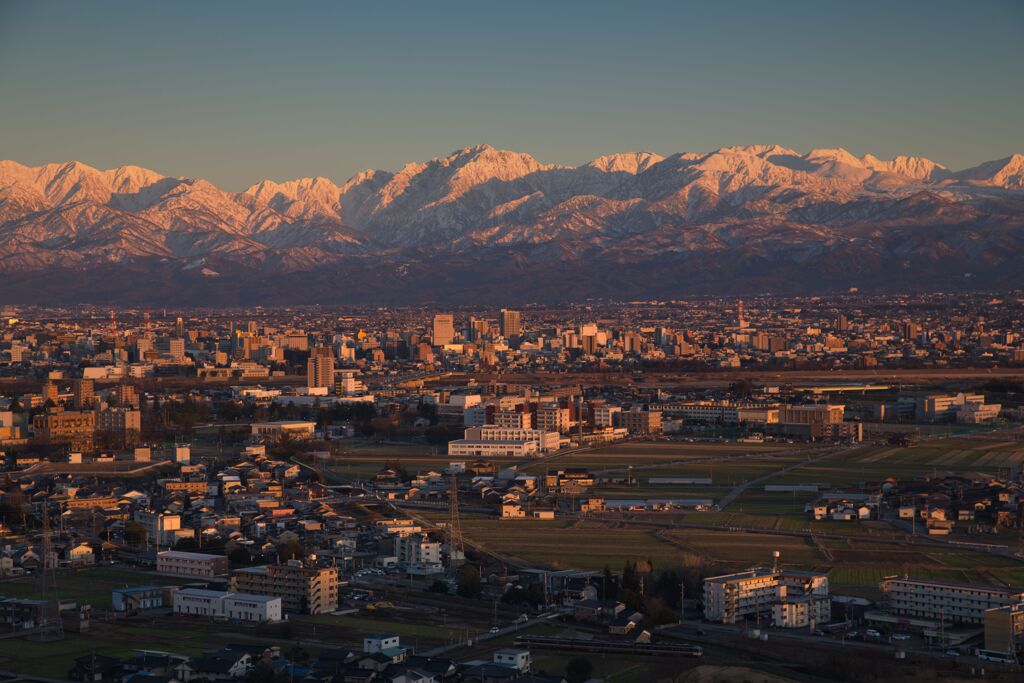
x,y
762,202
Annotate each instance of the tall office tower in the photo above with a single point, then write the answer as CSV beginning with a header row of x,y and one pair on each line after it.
x,y
179,327
740,322
511,323
177,348
444,329
84,394
478,329
320,368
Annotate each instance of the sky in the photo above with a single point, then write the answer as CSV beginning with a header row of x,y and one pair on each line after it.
x,y
235,92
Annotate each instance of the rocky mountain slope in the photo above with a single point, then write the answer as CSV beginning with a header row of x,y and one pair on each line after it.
x,y
485,224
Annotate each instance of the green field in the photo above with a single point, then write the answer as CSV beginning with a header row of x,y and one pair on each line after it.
x,y
54,659
87,586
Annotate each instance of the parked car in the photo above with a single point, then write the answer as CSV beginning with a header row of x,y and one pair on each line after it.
x,y
952,652
901,636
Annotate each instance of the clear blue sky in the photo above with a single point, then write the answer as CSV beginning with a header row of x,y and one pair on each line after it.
x,y
239,91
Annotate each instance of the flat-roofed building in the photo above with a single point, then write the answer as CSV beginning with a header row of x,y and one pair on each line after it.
x,y
418,554
943,601
546,441
492,448
513,419
302,589
790,598
552,418
181,563
225,605
73,428
1004,629
122,421
639,421
280,429
443,329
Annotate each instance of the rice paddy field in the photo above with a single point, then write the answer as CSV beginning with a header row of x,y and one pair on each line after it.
x,y
87,586
856,563
874,463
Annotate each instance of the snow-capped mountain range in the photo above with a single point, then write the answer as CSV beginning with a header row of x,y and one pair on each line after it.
x,y
486,223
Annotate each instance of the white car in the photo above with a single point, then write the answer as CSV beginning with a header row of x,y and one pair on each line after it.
x,y
901,636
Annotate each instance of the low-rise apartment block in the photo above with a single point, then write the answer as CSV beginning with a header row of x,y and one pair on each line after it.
x,y
222,605
302,589
181,563
944,602
788,598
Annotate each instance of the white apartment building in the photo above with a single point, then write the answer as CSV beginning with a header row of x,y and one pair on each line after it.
x,y
346,384
546,441
181,563
553,418
456,406
604,415
791,599
964,407
161,528
511,419
491,449
941,601
418,555
222,605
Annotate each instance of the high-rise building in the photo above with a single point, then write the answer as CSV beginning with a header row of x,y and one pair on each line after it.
x,y
320,369
179,327
83,394
177,348
444,329
478,329
511,323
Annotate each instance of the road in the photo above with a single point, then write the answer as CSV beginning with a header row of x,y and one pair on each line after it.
x,y
487,635
738,490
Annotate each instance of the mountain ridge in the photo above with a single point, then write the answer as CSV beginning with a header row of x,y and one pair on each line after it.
x,y
822,219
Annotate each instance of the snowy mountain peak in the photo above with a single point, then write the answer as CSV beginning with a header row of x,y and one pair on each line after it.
x,y
767,201
1007,173
626,162
837,155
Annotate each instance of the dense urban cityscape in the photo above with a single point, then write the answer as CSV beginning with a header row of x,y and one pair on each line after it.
x,y
471,494
586,341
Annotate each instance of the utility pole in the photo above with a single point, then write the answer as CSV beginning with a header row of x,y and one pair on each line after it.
x,y
682,599
456,552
